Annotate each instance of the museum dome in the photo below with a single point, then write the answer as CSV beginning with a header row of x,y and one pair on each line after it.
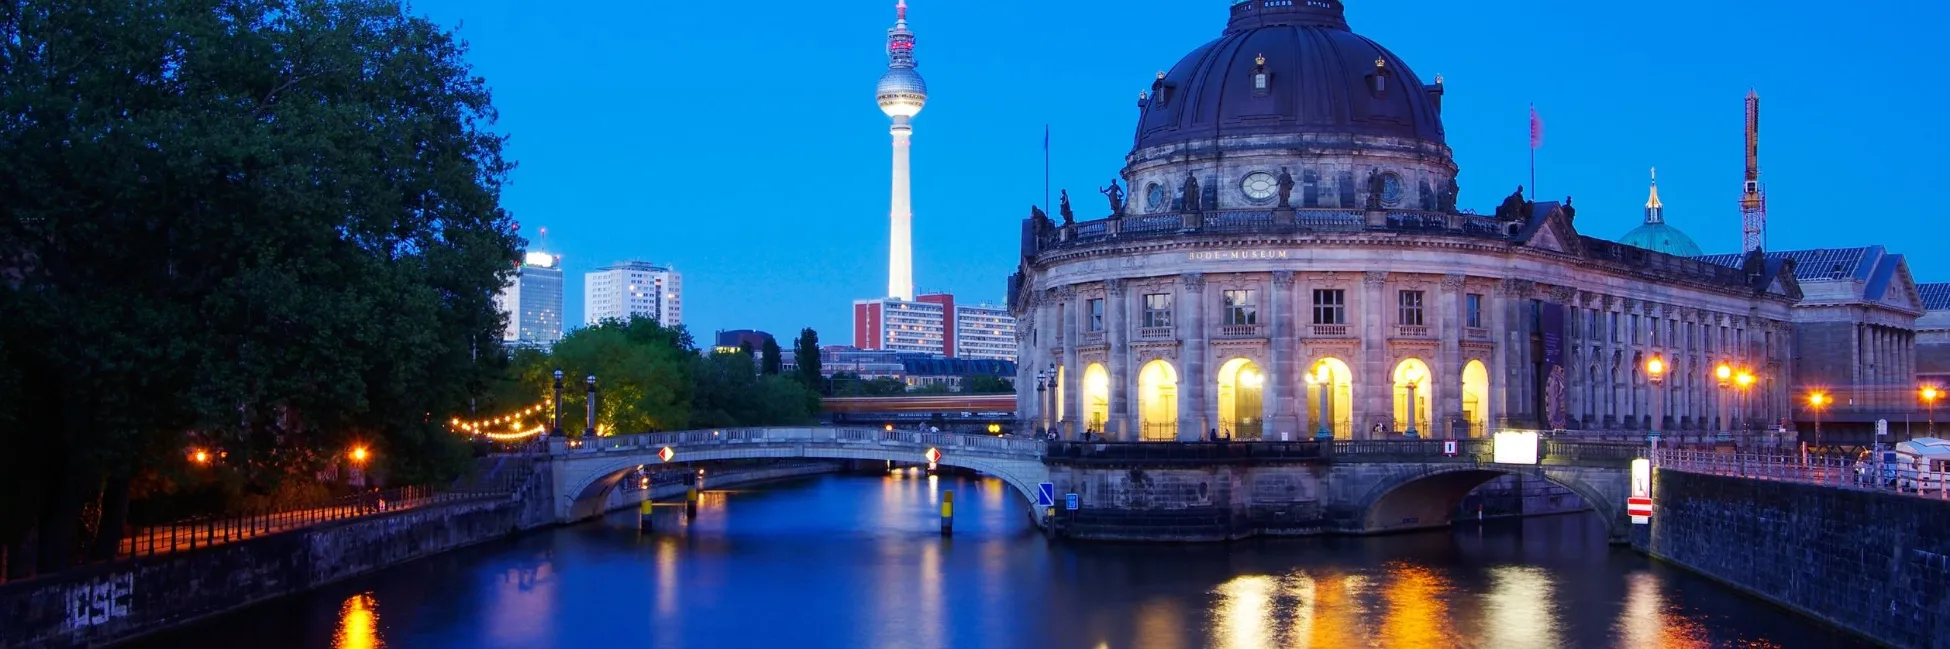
x,y
1655,234
1289,66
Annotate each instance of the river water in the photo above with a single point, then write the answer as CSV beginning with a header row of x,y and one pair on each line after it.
x,y
858,561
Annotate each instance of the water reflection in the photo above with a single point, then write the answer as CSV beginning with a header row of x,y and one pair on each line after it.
x,y
859,562
358,624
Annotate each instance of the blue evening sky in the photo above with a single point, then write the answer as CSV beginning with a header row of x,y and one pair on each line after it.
x,y
740,142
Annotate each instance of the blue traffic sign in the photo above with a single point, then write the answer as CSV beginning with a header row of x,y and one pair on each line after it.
x,y
1070,502
1045,495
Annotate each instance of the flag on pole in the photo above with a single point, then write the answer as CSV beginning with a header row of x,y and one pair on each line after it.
x,y
1536,128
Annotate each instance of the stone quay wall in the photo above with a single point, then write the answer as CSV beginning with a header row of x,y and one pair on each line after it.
x,y
1874,563
104,604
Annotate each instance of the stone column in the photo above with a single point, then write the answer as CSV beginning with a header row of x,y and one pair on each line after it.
x,y
1375,380
1072,374
1117,323
1447,382
1026,355
1192,424
1500,373
1282,379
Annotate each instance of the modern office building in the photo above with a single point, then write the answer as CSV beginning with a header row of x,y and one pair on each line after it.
x,y
935,324
633,288
533,302
985,331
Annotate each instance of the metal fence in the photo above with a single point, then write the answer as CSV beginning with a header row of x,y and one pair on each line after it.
x,y
1868,474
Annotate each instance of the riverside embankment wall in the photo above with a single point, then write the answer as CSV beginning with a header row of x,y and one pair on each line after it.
x,y
1874,563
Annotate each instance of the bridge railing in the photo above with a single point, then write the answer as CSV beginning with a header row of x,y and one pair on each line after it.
x,y
1838,472
1183,452
944,440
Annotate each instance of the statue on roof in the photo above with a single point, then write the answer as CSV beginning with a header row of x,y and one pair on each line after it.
x,y
1191,193
1514,207
1063,207
1039,220
1286,189
1570,213
1376,185
1116,195
1446,201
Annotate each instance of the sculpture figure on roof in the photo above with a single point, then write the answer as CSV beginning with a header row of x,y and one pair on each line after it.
x,y
1063,207
1446,201
1286,188
1376,185
1191,193
1116,195
1514,207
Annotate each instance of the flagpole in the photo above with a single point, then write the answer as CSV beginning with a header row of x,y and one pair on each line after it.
x,y
1533,153
1045,168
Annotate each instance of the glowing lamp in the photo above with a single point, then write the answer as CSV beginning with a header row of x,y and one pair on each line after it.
x,y
1817,399
1656,366
359,454
1724,372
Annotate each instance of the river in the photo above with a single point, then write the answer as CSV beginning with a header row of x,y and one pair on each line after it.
x,y
858,561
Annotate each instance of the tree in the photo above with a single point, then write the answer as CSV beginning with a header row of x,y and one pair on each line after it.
x,y
987,384
266,227
769,365
805,352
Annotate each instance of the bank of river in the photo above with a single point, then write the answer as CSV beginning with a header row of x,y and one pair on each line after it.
x,y
858,561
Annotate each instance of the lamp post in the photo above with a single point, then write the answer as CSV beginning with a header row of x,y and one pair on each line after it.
x,y
1746,383
555,430
1930,394
1324,377
1655,371
589,431
1042,402
1725,374
1413,375
1815,402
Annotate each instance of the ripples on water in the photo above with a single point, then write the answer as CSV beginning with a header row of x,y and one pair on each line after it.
x,y
859,562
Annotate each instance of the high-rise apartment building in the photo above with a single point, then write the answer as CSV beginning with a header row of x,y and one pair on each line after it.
x,y
984,331
633,288
533,302
934,324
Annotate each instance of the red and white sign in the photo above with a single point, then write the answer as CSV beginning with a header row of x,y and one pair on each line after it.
x,y
666,454
933,455
1638,507
1449,447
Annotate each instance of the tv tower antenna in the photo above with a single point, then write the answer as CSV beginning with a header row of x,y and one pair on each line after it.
x,y
1753,196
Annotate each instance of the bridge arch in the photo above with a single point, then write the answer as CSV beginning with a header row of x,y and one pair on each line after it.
x,y
1427,496
584,480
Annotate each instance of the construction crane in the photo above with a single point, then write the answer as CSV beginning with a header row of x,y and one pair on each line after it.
x,y
1753,196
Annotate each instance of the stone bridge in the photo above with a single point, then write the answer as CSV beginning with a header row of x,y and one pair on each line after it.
x,y
584,474
1153,491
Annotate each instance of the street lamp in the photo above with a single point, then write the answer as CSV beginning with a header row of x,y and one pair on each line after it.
x,y
1930,394
1042,402
1815,402
589,432
1725,374
1746,382
1324,377
556,406
1655,370
1413,376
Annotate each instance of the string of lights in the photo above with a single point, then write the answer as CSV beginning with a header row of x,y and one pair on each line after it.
x,y
510,422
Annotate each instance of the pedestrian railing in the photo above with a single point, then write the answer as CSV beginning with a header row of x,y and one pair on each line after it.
x,y
1864,474
193,533
1026,447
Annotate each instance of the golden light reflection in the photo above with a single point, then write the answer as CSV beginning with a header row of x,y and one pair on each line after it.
x,y
358,624
1161,624
1331,611
1643,622
1244,612
1417,614
667,584
1520,611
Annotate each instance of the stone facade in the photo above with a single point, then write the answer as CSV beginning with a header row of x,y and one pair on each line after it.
x,y
1380,305
1874,563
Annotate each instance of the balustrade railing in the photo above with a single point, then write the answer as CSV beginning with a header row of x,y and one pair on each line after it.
x,y
1091,338
1327,331
1868,474
648,441
1476,333
1411,331
1240,331
1156,333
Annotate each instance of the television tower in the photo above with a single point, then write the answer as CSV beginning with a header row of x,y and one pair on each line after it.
x,y
1753,196
901,93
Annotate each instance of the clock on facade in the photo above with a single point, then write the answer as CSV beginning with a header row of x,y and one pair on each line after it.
x,y
1154,198
1259,185
1391,189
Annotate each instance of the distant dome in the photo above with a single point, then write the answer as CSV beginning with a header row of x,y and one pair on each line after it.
x,y
1659,237
1322,79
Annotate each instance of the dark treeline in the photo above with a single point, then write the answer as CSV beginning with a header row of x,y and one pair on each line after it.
x,y
267,229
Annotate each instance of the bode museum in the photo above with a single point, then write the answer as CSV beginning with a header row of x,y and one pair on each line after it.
x,y
1289,262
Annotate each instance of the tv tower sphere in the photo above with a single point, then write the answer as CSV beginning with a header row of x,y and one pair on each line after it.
x,y
901,91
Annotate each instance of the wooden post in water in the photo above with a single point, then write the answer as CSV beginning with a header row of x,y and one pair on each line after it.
x,y
948,513
690,504
643,514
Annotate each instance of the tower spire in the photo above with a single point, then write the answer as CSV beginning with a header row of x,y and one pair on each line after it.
x,y
1655,211
901,94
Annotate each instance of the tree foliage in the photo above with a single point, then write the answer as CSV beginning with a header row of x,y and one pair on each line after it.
x,y
770,365
651,378
266,227
805,353
987,384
